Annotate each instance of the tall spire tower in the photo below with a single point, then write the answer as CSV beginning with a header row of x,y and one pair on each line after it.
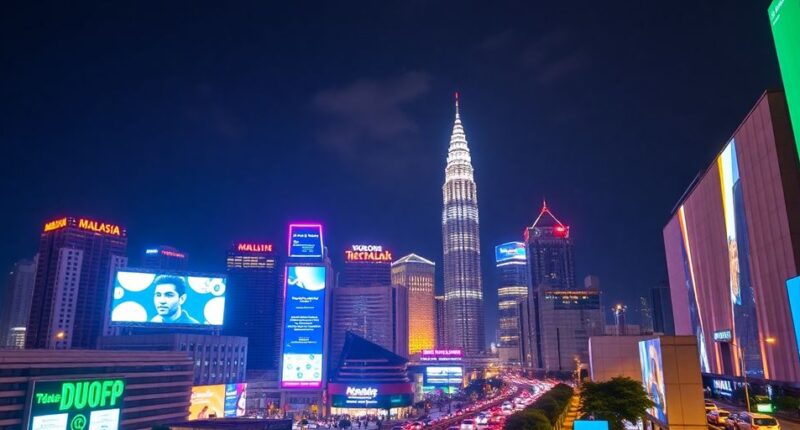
x,y
462,254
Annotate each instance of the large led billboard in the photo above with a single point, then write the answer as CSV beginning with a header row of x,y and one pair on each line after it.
x,y
509,251
155,298
784,17
216,401
443,375
653,377
303,327
75,404
371,396
305,241
793,292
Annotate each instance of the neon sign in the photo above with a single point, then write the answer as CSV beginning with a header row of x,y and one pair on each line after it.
x,y
254,247
55,224
99,227
77,404
723,336
367,253
169,253
367,392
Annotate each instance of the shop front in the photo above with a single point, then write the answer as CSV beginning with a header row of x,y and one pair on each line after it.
x,y
392,400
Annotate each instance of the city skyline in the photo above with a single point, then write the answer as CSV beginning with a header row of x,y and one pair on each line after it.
x,y
213,155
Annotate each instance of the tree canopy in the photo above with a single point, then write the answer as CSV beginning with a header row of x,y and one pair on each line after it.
x,y
617,400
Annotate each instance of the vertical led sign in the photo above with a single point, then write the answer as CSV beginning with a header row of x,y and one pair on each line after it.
x,y
784,17
303,327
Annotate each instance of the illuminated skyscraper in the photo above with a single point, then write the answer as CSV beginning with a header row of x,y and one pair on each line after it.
x,y
255,301
512,277
77,258
462,255
165,258
17,304
549,254
417,275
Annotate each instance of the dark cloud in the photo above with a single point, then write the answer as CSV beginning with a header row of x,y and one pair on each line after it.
x,y
496,42
369,112
553,57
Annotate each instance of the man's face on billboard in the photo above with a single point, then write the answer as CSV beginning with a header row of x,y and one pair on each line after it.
x,y
167,300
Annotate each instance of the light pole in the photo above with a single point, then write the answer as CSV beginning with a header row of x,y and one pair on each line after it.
x,y
769,340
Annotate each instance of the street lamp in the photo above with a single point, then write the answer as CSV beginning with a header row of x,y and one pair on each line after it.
x,y
769,340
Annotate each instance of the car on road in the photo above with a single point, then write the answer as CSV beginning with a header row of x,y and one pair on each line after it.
x,y
482,419
730,422
718,416
754,421
710,406
468,425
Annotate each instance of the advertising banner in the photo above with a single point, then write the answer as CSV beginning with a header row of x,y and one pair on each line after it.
x,y
303,327
155,298
784,17
305,241
216,401
509,251
653,377
793,293
444,375
76,404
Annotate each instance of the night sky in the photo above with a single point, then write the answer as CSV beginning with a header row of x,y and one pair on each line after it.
x,y
198,124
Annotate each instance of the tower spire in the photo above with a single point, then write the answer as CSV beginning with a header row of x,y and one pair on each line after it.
x,y
457,113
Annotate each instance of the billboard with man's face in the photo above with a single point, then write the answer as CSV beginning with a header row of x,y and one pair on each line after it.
x,y
144,297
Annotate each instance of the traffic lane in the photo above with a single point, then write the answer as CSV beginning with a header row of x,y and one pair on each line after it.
x,y
785,425
455,421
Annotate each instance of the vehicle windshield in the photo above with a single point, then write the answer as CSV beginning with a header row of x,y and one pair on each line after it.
x,y
765,421
724,414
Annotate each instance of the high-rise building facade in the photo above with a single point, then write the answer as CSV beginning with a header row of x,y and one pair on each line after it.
x,y
254,301
549,252
365,302
76,261
512,278
463,288
549,256
441,324
164,257
16,305
567,319
662,310
418,275
732,243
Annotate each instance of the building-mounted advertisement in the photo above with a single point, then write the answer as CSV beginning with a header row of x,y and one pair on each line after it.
x,y
217,401
371,396
368,253
75,404
152,298
452,355
784,17
511,251
652,365
793,293
303,328
305,241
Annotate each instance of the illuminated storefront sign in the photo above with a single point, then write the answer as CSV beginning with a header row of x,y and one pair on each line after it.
x,y
722,386
441,355
784,17
765,408
76,405
509,251
374,396
55,224
723,336
305,241
254,247
304,327
368,253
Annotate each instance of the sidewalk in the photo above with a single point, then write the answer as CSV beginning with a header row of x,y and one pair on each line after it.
x,y
572,412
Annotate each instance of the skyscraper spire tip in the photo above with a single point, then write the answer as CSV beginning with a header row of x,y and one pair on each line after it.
x,y
457,97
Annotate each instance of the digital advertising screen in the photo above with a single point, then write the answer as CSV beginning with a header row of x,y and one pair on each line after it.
x,y
372,396
217,401
590,425
653,377
443,375
305,241
509,251
303,327
784,17
76,404
153,298
793,292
